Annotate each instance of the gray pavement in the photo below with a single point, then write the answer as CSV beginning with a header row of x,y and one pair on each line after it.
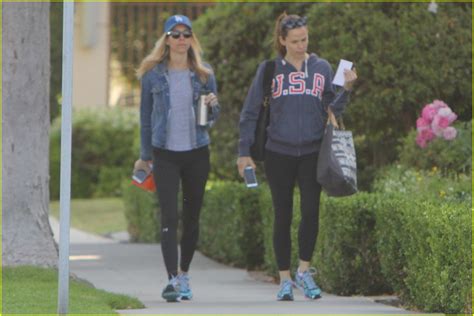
x,y
138,270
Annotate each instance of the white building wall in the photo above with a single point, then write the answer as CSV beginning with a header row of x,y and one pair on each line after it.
x,y
91,54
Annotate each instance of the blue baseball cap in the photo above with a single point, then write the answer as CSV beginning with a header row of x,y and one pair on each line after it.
x,y
175,20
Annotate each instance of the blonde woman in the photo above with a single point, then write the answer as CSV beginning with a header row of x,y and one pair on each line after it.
x,y
173,78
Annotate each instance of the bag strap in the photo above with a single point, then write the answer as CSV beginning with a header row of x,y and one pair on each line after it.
x,y
332,119
267,80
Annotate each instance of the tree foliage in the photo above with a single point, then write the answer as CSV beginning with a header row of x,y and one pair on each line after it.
x,y
406,56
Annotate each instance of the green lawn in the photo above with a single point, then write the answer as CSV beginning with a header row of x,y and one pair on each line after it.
x,y
99,216
32,290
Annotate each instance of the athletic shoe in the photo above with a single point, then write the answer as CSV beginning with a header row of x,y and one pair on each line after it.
x,y
171,291
306,283
286,291
184,289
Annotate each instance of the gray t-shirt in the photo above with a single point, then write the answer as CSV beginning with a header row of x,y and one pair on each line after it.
x,y
181,125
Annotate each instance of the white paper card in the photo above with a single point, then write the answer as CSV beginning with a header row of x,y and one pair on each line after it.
x,y
339,77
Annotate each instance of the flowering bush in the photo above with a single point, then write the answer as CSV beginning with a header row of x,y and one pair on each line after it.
x,y
435,122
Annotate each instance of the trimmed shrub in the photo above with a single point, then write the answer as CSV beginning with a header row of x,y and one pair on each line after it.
x,y
370,243
390,228
425,251
141,213
231,225
102,152
346,254
438,251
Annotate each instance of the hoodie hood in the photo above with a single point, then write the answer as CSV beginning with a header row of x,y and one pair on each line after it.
x,y
309,62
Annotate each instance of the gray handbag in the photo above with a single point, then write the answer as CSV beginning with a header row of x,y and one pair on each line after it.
x,y
337,167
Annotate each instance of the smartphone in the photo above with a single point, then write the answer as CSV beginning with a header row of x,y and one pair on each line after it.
x,y
140,175
250,178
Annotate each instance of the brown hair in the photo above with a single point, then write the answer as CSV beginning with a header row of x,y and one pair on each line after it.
x,y
161,53
282,31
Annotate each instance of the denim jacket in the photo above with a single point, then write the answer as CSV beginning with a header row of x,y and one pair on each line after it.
x,y
155,109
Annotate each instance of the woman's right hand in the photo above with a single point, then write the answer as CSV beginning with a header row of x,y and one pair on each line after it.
x,y
243,162
143,165
211,100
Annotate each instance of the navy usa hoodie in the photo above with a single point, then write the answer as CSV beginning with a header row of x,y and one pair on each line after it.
x,y
298,107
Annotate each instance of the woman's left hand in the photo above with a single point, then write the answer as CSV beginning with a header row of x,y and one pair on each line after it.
x,y
211,99
350,76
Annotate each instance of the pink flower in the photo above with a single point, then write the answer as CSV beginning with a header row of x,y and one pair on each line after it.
x,y
422,124
440,121
437,130
427,134
450,133
429,112
420,141
452,117
448,114
435,122
438,104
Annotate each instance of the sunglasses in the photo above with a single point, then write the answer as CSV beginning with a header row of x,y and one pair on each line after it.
x,y
177,34
292,23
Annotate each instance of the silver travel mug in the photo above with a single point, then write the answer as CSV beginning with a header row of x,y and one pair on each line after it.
x,y
202,111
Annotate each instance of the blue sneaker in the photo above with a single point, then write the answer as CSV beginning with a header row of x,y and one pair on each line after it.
x,y
286,291
171,291
306,283
184,289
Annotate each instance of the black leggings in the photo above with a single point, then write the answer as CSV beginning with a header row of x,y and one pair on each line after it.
x,y
282,172
192,168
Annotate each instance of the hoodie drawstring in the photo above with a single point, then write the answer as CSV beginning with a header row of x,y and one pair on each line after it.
x,y
306,68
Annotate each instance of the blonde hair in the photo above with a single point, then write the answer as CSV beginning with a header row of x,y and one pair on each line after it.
x,y
161,53
280,31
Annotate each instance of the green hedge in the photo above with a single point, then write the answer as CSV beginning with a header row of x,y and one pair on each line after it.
x,y
369,243
425,252
231,225
141,213
346,253
345,256
103,151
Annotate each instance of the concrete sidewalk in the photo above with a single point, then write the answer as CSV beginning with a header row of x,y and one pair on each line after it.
x,y
138,270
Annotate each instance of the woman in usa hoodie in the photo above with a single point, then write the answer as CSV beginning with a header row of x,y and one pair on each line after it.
x,y
302,93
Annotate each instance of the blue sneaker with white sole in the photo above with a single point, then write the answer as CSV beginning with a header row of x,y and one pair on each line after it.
x,y
286,291
305,282
184,288
171,291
